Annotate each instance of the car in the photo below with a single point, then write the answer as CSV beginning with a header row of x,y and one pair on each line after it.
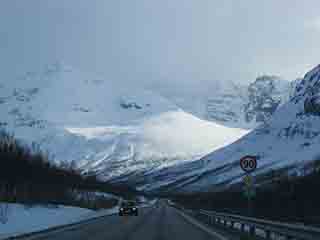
x,y
128,208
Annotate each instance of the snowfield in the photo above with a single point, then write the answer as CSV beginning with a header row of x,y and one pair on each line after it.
x,y
233,104
158,138
23,220
173,134
98,125
290,138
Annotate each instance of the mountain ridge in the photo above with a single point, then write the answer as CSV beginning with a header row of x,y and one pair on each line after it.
x,y
111,129
289,138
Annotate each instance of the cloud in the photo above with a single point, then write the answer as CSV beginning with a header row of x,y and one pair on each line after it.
x,y
165,42
314,23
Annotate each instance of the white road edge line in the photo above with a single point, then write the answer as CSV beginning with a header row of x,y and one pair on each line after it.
x,y
201,226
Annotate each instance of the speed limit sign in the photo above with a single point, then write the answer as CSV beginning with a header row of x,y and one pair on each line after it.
x,y
248,163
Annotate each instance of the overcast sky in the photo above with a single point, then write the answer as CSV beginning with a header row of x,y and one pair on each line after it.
x,y
171,41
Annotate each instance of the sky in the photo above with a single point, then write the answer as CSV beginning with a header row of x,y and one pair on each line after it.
x,y
171,42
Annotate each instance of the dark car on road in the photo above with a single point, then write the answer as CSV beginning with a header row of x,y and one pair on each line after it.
x,y
128,208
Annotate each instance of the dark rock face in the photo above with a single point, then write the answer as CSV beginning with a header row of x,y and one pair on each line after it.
x,y
312,105
130,105
309,85
308,91
312,92
264,97
247,106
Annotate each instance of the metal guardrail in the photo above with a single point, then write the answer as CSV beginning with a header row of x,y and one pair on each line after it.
x,y
258,227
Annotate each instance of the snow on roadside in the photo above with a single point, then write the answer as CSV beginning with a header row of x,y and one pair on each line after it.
x,y
23,220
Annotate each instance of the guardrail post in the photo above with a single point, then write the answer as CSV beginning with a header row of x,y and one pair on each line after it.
x,y
232,224
252,230
268,234
242,227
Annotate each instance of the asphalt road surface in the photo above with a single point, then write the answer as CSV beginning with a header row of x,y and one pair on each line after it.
x,y
153,223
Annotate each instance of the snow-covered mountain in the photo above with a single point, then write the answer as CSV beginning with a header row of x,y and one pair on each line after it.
x,y
217,102
99,125
290,138
235,105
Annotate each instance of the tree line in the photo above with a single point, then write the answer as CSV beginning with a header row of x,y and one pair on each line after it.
x,y
280,196
27,176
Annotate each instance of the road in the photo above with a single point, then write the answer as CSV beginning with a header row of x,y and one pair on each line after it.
x,y
153,223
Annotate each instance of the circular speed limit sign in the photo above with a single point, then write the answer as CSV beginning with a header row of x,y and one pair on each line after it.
x,y
248,163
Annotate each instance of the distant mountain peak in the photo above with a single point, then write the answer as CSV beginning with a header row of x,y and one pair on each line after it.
x,y
265,95
289,139
111,128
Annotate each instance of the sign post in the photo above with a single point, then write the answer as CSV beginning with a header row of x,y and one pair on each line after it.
x,y
248,164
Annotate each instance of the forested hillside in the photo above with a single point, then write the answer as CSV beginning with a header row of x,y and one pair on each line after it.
x,y
27,176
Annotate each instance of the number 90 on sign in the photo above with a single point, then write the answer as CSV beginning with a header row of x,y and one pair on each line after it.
x,y
248,163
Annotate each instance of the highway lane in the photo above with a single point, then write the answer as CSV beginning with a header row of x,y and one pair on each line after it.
x,y
153,223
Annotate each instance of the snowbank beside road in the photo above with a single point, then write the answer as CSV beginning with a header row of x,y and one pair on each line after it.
x,y
23,220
